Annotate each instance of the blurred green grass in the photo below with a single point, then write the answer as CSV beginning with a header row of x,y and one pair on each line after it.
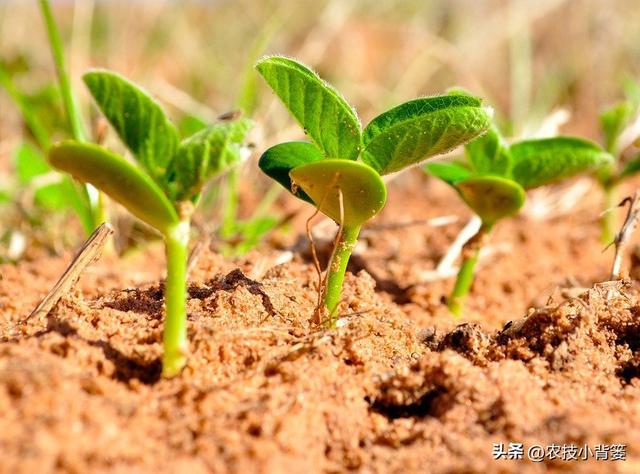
x,y
525,57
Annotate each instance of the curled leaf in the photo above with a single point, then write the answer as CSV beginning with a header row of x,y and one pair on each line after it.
x,y
489,154
450,172
203,155
280,159
612,123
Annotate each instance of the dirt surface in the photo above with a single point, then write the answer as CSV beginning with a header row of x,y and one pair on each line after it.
x,y
400,387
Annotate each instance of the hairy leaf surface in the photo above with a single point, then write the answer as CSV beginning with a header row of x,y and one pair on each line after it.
x,y
324,114
203,155
543,161
421,128
137,118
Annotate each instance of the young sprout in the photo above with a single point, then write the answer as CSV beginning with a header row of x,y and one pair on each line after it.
x,y
327,172
494,177
164,188
620,130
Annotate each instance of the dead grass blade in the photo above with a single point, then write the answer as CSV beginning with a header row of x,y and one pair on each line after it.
x,y
89,253
622,237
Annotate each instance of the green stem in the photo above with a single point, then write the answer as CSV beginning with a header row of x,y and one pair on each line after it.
x,y
464,280
336,271
68,99
175,293
76,193
608,222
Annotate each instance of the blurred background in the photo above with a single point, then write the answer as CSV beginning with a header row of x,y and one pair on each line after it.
x,y
526,58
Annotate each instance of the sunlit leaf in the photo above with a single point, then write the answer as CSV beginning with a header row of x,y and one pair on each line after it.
x,y
138,119
489,154
363,191
203,155
421,128
543,161
324,114
117,178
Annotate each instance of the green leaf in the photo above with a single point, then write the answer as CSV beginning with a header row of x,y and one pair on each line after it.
x,y
252,231
78,200
631,167
29,163
543,161
450,172
421,128
489,154
280,159
491,197
117,178
612,123
458,90
364,193
58,195
138,119
324,114
203,155
190,124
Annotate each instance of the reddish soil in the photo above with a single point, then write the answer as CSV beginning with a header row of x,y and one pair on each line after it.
x,y
401,387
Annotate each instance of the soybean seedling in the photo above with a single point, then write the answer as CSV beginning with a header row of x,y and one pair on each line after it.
x,y
620,130
493,178
327,172
163,190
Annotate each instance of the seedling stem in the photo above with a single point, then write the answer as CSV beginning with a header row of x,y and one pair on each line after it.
x,y
175,333
337,269
470,254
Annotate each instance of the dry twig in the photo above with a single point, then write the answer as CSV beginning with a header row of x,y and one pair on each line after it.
x,y
622,237
88,254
